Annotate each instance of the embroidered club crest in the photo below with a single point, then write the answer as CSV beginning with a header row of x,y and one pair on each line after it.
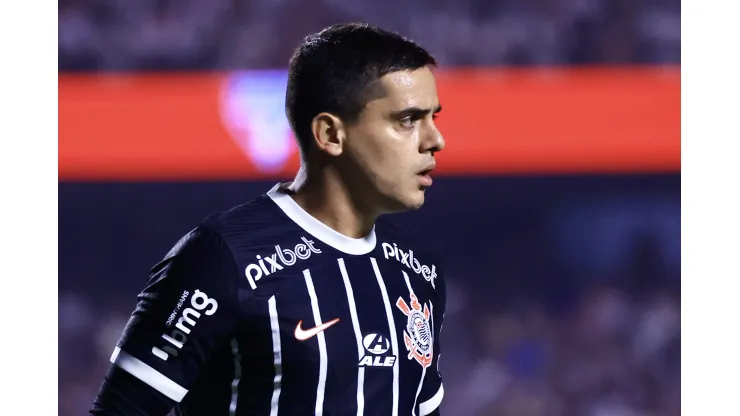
x,y
418,333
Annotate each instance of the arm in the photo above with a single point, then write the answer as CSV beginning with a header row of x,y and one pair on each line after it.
x,y
188,310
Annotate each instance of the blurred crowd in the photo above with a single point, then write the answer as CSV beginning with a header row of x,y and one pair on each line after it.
x,y
234,34
615,354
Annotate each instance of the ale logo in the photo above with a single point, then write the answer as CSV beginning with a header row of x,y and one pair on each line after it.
x,y
376,352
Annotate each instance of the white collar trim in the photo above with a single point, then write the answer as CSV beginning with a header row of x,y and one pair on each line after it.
x,y
355,246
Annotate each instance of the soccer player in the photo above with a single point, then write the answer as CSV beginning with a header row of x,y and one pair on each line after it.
x,y
295,303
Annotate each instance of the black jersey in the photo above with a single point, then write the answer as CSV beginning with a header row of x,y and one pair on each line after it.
x,y
264,310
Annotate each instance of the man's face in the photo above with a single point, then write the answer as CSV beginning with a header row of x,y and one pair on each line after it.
x,y
392,144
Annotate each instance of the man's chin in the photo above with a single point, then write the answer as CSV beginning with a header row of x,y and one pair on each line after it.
x,y
417,201
408,202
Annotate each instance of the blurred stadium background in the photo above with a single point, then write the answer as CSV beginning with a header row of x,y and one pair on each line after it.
x,y
557,207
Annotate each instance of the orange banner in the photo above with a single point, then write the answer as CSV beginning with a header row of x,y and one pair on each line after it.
x,y
232,126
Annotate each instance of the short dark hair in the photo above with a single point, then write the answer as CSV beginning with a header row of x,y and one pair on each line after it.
x,y
330,69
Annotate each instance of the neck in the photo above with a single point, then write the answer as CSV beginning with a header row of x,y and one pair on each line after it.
x,y
328,198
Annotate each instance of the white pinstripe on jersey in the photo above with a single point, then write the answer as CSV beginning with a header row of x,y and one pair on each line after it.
x,y
393,332
358,337
277,356
322,344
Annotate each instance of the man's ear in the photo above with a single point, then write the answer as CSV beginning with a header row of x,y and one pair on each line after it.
x,y
328,133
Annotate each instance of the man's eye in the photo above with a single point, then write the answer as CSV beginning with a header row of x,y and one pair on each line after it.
x,y
407,122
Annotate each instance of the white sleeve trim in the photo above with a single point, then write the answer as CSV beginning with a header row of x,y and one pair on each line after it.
x,y
433,403
148,375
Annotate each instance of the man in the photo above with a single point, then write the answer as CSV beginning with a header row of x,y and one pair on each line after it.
x,y
294,303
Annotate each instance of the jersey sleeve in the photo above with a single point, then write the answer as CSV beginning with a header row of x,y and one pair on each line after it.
x,y
188,310
432,389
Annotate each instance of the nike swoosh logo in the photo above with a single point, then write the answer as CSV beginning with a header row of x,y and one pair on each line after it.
x,y
304,334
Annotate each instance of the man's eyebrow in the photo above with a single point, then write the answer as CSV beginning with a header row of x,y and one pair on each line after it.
x,y
416,112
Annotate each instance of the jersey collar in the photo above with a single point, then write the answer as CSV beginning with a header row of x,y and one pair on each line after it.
x,y
356,246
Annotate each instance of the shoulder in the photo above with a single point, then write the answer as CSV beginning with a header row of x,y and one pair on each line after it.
x,y
254,215
248,225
